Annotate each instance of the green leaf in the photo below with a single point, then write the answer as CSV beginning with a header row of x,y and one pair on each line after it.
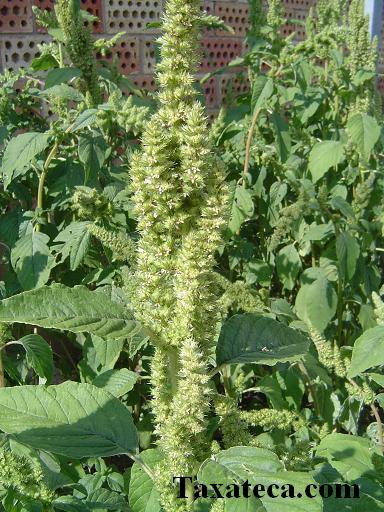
x,y
318,232
85,119
20,152
242,208
238,462
59,75
323,156
44,62
364,132
92,153
107,352
251,338
262,90
116,382
32,260
77,240
351,456
288,265
73,309
39,355
368,351
143,496
347,251
316,303
71,419
105,499
70,503
259,466
64,92
283,138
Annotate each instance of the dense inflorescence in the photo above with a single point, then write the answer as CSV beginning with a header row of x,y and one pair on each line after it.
x,y
181,203
80,46
18,474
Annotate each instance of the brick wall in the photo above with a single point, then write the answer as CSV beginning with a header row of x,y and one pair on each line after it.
x,y
20,36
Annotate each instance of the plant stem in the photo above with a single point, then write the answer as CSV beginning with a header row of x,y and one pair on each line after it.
x,y
142,464
380,430
2,380
248,145
227,387
190,496
43,175
379,427
311,388
50,157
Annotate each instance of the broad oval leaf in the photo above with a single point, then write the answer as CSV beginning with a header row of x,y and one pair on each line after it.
x,y
260,466
368,351
143,496
261,91
251,338
39,355
59,75
364,132
73,309
347,251
316,303
288,265
64,92
85,119
32,260
323,156
350,455
72,419
19,153
116,382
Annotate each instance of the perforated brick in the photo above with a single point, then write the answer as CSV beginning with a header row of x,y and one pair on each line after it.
x,y
299,4
289,28
131,16
211,92
207,7
148,55
19,51
94,7
234,15
218,52
15,16
231,86
146,82
127,53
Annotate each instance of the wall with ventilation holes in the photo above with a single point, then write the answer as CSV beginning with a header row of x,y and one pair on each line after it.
x,y
20,36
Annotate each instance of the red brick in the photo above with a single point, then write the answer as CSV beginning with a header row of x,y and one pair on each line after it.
x,y
128,55
131,16
211,92
232,85
19,51
234,15
15,16
148,55
146,82
218,52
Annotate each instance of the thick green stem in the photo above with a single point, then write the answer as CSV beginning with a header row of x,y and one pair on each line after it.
x,y
43,175
2,380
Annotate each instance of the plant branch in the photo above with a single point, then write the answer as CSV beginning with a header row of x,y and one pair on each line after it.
x,y
142,464
380,430
43,175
